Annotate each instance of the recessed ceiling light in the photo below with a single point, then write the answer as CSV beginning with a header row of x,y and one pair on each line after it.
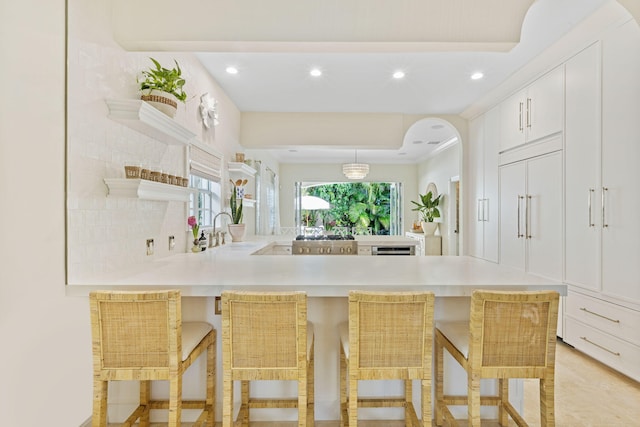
x,y
292,150
477,76
402,154
418,142
437,126
398,74
315,72
232,70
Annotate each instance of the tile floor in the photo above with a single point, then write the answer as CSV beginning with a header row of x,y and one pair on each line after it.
x,y
588,394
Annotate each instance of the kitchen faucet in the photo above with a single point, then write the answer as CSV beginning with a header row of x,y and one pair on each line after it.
x,y
214,225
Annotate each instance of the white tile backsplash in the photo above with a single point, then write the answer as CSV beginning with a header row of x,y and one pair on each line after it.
x,y
108,235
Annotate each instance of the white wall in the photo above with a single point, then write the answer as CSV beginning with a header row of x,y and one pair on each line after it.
x,y
46,350
439,169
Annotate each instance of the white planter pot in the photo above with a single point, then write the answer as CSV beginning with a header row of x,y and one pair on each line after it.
x,y
237,232
163,101
429,228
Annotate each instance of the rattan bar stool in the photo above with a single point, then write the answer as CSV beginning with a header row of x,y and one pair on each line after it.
x,y
509,335
389,337
140,336
266,336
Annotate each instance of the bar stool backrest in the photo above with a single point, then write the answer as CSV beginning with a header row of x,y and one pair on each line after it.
x,y
513,332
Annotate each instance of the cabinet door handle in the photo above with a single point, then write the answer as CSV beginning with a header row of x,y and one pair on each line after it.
x,y
586,310
529,113
604,221
478,213
591,191
527,228
520,124
485,210
615,353
519,234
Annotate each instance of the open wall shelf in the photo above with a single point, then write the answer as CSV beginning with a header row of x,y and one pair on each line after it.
x,y
147,190
142,117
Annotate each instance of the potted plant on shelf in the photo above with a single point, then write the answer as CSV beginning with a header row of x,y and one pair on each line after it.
x,y
237,229
428,208
163,88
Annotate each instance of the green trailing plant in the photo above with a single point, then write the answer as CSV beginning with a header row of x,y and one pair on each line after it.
x,y
427,206
164,79
236,206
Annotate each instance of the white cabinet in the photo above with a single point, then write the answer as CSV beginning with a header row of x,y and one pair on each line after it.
x,y
427,245
534,112
482,221
531,215
620,157
582,169
602,204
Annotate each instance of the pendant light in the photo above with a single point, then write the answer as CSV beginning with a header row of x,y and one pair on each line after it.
x,y
355,170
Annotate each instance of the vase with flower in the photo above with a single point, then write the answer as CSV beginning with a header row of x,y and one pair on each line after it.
x,y
193,223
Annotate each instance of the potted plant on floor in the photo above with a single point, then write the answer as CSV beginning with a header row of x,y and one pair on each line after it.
x,y
428,208
237,229
163,87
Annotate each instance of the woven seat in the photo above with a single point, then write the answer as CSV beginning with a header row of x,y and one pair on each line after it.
x,y
389,336
140,336
266,336
509,335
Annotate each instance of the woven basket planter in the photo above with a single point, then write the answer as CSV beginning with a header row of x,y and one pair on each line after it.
x,y
163,101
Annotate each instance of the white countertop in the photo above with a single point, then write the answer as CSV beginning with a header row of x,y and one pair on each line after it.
x,y
233,267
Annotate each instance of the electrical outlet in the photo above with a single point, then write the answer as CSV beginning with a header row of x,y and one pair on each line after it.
x,y
149,246
172,242
218,305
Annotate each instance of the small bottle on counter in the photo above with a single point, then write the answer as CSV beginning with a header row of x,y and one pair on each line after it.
x,y
202,242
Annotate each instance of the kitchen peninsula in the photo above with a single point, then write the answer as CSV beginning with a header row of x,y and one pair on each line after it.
x,y
327,280
232,266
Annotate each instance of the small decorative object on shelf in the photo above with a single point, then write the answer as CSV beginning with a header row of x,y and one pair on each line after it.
x,y
163,87
193,223
428,208
237,229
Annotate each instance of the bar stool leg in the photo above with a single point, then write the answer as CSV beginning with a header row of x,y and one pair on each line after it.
x,y
145,396
547,409
211,385
302,401
439,362
474,399
343,388
427,416
353,402
245,392
227,400
100,391
408,398
503,393
175,400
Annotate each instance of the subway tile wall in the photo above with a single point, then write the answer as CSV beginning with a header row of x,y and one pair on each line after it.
x,y
106,236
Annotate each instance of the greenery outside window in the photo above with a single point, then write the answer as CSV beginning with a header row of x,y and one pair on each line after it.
x,y
374,207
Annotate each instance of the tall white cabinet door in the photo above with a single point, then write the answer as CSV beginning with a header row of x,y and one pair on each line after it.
x,y
582,169
512,121
543,222
545,105
491,198
476,180
621,163
512,208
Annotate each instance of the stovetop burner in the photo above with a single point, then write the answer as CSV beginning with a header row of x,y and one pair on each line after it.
x,y
325,237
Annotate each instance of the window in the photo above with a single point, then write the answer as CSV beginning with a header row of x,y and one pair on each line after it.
x,y
354,208
205,166
205,203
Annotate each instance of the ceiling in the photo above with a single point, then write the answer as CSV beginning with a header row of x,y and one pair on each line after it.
x,y
435,83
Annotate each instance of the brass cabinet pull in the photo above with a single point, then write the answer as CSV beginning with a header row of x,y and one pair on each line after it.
x,y
604,222
615,353
519,234
599,315
527,227
591,191
520,124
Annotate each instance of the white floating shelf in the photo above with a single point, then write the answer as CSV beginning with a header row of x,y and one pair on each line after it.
x,y
142,117
241,168
147,190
